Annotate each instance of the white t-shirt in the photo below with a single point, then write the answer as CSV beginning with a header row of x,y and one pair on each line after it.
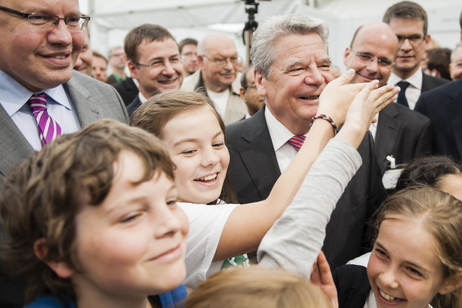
x,y
220,100
205,228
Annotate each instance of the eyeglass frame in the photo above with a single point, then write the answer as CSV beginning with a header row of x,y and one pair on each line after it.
x,y
54,23
414,39
224,60
157,62
188,55
364,56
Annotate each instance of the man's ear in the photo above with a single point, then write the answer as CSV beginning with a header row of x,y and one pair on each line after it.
x,y
260,83
132,69
242,93
200,61
61,268
451,284
428,38
345,56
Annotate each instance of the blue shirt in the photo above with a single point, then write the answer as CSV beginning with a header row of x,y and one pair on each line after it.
x,y
172,299
13,99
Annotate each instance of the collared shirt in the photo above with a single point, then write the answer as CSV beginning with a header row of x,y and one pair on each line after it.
x,y
279,134
413,90
373,127
141,97
13,98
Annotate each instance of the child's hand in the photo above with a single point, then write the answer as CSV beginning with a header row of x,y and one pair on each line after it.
x,y
322,277
337,97
368,102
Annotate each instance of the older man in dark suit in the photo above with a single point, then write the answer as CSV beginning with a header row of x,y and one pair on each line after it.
x,y
36,60
292,68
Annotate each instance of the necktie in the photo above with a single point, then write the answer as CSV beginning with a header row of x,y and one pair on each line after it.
x,y
297,141
401,95
48,128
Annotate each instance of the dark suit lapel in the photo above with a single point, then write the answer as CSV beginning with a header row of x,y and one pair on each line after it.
x,y
14,146
258,155
426,83
387,134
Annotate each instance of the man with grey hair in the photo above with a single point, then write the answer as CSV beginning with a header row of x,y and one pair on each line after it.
x,y
217,76
292,68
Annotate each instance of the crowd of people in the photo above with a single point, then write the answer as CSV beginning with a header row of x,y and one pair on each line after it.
x,y
185,180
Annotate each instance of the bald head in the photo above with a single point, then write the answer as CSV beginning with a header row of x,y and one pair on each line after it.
x,y
217,57
212,41
371,52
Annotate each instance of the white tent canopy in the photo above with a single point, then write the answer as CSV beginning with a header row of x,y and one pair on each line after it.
x,y
112,19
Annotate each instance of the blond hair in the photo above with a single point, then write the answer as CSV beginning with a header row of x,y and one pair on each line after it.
x,y
257,287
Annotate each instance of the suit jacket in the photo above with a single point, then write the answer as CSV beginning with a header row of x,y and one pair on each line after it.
x,y
127,90
253,170
133,105
403,133
92,101
430,82
443,106
352,285
235,108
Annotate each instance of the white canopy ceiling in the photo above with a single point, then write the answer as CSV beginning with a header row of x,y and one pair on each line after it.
x,y
112,19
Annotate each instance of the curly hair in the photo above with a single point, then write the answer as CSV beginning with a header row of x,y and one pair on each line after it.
x,y
41,197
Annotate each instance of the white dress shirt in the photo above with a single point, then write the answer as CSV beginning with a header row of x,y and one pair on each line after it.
x,y
413,90
279,136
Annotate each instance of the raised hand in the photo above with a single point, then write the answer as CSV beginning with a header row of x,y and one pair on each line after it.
x,y
322,277
368,102
337,97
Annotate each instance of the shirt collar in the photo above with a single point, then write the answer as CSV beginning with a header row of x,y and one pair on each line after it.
x,y
14,95
278,132
415,80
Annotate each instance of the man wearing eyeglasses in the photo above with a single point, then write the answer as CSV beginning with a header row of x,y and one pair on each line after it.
x,y
409,22
188,52
153,61
399,131
217,76
249,93
41,40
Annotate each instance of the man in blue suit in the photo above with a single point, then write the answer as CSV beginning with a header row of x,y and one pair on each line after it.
x,y
443,106
38,57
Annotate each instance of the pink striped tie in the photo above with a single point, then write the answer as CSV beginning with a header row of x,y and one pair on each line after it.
x,y
48,128
297,141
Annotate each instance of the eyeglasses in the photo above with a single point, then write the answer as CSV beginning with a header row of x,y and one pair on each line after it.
x,y
414,39
188,55
367,57
223,61
251,86
73,23
159,64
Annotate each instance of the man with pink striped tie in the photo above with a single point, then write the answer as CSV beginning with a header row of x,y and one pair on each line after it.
x,y
41,40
